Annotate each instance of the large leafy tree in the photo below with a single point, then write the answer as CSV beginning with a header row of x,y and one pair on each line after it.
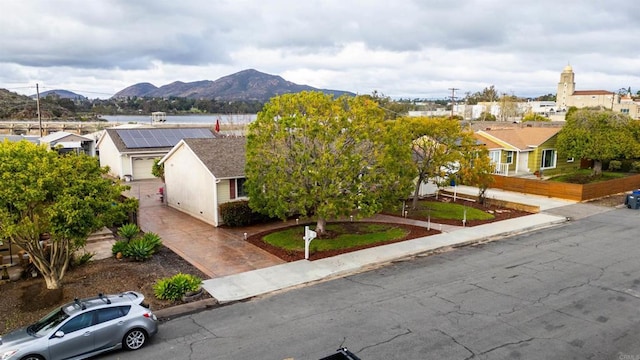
x,y
65,197
438,146
310,154
488,94
476,170
598,135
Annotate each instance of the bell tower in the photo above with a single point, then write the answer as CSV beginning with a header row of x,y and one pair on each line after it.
x,y
566,87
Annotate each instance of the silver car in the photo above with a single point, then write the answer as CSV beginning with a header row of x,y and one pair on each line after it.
x,y
84,328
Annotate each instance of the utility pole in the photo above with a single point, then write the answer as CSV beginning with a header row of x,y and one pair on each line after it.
x,y
453,99
38,109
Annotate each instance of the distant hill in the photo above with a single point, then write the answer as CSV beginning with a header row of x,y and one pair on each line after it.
x,y
246,85
63,94
22,107
136,90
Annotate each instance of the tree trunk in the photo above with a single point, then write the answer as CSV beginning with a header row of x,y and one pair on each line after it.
x,y
52,261
482,195
321,226
52,281
597,167
414,203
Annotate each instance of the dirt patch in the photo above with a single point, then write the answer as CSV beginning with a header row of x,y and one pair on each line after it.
x,y
610,201
287,255
27,300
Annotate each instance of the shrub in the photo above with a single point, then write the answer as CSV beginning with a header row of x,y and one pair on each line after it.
x,y
175,287
615,165
82,259
237,213
153,239
140,249
128,231
635,166
119,247
157,169
535,117
487,116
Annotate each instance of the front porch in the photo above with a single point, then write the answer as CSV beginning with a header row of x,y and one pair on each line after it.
x,y
507,170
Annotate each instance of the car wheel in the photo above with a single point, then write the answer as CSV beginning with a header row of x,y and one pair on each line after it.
x,y
134,339
32,357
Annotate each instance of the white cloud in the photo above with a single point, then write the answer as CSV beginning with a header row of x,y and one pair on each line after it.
x,y
401,48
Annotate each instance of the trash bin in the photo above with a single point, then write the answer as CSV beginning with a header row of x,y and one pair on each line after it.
x,y
633,201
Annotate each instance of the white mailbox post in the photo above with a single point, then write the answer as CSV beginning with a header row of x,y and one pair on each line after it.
x,y
308,236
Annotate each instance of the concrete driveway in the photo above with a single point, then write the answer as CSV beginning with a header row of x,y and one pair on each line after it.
x,y
215,251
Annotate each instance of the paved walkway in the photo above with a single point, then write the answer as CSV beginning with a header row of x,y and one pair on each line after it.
x,y
239,270
214,251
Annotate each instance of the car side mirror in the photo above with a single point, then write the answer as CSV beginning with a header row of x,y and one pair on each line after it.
x,y
59,334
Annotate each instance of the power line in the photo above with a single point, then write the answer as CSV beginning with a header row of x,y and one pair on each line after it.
x,y
453,99
51,88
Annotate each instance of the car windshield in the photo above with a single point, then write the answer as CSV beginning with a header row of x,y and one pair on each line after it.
x,y
47,323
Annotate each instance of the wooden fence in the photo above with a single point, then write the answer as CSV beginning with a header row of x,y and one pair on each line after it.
x,y
560,190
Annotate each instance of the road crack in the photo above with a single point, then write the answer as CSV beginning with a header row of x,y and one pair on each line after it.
x,y
407,332
473,354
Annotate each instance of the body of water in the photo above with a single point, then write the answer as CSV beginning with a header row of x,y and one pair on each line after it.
x,y
184,119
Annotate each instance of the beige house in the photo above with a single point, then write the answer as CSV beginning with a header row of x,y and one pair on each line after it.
x,y
201,174
568,96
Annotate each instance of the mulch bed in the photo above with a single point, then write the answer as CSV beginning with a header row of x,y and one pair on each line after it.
x,y
27,300
287,255
499,213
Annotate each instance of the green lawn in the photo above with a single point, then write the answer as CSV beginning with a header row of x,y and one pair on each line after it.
x,y
449,211
348,235
583,176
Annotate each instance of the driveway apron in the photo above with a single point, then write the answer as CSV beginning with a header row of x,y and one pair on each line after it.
x,y
214,251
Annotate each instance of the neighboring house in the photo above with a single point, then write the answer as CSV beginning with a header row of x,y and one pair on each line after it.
x,y
524,150
130,153
65,142
15,138
201,174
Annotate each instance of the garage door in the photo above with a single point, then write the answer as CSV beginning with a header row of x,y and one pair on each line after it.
x,y
142,168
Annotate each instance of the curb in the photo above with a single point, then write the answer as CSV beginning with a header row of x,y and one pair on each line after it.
x,y
197,306
185,309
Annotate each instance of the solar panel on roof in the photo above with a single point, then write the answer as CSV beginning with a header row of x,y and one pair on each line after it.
x,y
158,138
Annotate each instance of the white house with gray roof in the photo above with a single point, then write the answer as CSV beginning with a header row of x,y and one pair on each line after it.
x,y
65,142
130,152
201,174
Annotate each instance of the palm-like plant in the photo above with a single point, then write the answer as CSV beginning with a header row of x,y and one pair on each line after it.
x,y
128,231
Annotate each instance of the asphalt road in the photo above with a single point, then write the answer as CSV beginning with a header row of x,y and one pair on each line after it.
x,y
569,292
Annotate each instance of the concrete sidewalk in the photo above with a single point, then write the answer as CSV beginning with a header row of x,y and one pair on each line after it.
x,y
266,280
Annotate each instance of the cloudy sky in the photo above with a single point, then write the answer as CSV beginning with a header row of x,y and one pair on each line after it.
x,y
400,48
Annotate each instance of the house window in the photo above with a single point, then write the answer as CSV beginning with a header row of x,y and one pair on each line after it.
x,y
548,159
495,156
240,190
509,157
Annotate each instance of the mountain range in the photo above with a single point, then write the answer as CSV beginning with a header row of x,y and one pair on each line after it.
x,y
63,94
246,85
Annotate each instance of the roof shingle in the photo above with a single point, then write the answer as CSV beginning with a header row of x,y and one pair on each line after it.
x,y
520,138
224,157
